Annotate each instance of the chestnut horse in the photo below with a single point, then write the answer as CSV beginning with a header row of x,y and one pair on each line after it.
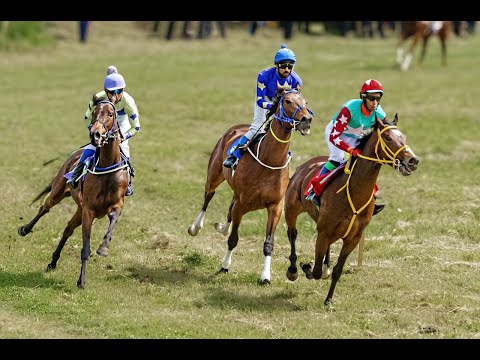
x,y
346,204
261,177
421,31
102,192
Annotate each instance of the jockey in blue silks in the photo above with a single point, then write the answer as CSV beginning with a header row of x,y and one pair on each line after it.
x,y
270,84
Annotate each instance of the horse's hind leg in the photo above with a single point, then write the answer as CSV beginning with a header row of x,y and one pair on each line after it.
x,y
52,199
74,222
104,246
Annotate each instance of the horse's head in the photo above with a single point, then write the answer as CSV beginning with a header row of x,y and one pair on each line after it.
x,y
293,113
391,147
104,122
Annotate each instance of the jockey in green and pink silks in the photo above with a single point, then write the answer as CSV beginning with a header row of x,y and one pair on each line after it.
x,y
355,119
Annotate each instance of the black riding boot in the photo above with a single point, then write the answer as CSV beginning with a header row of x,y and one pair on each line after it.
x,y
377,208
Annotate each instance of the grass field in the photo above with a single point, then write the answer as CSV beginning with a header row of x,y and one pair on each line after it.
x,y
420,273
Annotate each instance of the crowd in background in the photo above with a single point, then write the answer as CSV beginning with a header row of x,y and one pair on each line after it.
x,y
206,29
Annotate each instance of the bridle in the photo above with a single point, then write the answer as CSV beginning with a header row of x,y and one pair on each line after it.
x,y
283,118
110,133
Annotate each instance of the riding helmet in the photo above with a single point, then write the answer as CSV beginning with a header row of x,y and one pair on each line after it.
x,y
114,81
284,55
371,86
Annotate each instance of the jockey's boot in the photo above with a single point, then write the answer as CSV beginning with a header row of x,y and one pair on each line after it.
x,y
325,169
129,190
230,161
377,208
75,174
234,153
77,171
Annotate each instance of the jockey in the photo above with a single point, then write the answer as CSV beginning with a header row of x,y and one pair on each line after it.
x,y
355,119
127,117
270,84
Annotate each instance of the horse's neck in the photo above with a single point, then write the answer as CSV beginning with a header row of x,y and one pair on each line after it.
x,y
365,172
109,154
275,145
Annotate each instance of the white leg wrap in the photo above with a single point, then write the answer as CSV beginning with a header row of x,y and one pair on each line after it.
x,y
227,259
266,268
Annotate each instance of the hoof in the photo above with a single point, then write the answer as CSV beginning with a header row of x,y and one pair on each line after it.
x,y
328,302
222,228
307,269
264,282
21,231
292,275
50,267
193,230
102,251
222,271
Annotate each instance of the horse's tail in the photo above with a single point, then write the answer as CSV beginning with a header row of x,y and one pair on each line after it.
x,y
45,191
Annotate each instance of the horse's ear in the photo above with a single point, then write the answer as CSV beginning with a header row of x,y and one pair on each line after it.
x,y
395,119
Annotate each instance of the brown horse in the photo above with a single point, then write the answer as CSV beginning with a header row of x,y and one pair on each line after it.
x,y
261,177
102,192
421,30
346,204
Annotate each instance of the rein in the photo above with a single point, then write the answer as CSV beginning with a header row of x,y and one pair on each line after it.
x,y
282,117
395,163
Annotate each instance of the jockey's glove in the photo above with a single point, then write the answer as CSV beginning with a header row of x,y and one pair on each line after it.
x,y
354,152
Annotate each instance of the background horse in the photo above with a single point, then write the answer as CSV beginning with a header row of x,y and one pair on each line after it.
x,y
421,31
261,177
103,190
346,204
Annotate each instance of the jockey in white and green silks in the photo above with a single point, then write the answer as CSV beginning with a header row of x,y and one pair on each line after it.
x,y
127,117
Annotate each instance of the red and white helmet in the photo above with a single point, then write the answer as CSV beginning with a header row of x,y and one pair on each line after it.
x,y
371,86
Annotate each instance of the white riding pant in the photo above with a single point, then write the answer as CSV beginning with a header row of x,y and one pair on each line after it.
x,y
337,154
124,125
259,115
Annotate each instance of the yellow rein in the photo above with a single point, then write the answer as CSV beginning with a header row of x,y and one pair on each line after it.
x,y
347,171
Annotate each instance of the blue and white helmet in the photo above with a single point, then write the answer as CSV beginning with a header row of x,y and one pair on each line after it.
x,y
114,81
284,55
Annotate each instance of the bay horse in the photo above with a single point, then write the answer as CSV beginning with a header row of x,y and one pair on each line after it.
x,y
421,31
261,177
347,202
101,193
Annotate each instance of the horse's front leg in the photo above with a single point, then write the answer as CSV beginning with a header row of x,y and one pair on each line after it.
x,y
87,221
349,243
104,246
197,225
274,213
225,228
74,222
234,217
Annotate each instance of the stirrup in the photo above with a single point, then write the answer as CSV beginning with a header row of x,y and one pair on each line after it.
x,y
129,191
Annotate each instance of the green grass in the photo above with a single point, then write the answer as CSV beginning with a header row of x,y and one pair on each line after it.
x,y
419,277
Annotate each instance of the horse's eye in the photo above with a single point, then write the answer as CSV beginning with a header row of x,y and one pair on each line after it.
x,y
288,101
389,138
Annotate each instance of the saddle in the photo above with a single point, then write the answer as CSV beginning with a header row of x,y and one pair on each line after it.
x,y
319,182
